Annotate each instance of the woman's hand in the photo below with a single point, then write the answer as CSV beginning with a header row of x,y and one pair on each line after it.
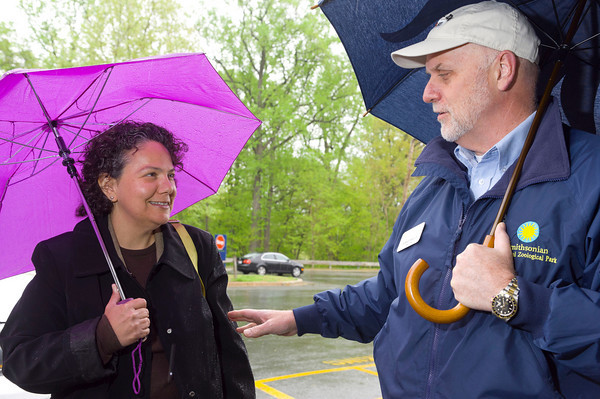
x,y
130,319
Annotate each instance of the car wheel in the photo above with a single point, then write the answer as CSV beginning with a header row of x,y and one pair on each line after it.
x,y
296,271
261,270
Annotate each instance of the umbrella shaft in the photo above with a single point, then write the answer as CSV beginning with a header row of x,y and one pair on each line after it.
x,y
544,101
99,236
64,152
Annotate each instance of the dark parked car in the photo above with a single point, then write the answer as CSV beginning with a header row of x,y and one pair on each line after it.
x,y
269,262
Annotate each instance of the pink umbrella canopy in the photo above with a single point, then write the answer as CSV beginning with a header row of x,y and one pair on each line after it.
x,y
181,92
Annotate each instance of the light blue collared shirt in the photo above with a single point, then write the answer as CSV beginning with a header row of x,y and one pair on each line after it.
x,y
484,171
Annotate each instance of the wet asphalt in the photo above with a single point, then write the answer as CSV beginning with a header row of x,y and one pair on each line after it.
x,y
307,367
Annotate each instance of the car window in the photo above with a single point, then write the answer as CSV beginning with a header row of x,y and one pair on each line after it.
x,y
281,257
269,256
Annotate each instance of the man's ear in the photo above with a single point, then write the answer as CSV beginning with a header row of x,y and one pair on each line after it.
x,y
506,75
107,185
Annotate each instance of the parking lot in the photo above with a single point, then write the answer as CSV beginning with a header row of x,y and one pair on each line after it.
x,y
304,367
310,366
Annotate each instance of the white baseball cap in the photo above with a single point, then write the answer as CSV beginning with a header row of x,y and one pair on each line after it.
x,y
490,24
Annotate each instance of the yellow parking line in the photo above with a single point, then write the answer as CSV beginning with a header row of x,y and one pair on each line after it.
x,y
366,370
271,391
261,384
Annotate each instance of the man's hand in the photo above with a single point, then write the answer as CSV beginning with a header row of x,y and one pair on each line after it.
x,y
263,322
129,320
481,272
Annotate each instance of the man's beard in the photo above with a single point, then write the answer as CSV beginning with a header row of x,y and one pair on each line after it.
x,y
464,115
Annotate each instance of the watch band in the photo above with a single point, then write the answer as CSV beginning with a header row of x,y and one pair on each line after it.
x,y
505,304
512,288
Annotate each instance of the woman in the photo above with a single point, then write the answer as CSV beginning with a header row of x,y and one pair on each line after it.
x,y
70,336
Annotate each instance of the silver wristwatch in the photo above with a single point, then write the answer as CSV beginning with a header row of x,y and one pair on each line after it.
x,y
505,304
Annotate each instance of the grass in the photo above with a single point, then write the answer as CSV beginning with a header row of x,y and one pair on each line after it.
x,y
340,267
251,278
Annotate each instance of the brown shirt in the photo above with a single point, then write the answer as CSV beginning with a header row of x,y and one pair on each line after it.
x,y
140,263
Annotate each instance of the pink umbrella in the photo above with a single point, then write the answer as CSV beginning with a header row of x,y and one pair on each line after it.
x,y
40,110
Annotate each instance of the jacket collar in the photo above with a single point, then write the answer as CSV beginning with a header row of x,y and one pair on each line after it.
x,y
174,254
548,158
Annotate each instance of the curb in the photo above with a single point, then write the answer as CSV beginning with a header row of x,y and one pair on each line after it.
x,y
265,283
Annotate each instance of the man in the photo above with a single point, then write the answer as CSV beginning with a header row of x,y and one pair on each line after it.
x,y
481,61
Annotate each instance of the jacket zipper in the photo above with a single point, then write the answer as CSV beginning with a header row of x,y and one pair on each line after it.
x,y
445,285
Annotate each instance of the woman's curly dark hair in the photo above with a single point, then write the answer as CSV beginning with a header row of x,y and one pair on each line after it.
x,y
106,153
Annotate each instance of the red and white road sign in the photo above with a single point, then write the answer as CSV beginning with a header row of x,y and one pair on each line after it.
x,y
220,241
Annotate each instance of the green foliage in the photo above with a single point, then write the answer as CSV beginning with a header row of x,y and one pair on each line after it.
x,y
83,32
382,174
13,54
316,181
289,71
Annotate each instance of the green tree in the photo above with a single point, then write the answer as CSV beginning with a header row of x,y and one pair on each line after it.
x,y
83,32
13,54
381,178
285,63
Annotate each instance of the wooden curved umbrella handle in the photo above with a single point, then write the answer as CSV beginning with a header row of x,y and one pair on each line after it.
x,y
411,286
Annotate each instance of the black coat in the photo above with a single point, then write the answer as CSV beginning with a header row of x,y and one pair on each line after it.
x,y
49,339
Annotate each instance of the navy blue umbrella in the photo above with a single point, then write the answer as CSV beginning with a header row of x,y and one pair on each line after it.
x,y
371,30
569,61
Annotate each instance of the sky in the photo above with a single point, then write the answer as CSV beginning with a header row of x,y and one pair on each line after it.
x,y
11,13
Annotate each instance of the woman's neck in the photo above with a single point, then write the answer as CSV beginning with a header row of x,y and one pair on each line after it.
x,y
131,237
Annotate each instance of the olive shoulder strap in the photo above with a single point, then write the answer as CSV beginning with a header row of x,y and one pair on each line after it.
x,y
189,247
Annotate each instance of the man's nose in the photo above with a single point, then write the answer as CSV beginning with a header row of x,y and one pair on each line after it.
x,y
430,94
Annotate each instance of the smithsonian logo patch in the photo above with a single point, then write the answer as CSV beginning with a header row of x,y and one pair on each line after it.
x,y
528,232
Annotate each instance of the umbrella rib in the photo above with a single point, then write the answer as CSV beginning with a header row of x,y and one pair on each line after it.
x,y
38,99
585,41
78,134
93,83
147,101
27,160
26,145
199,181
412,71
558,22
22,146
109,71
40,171
40,153
73,116
583,15
539,27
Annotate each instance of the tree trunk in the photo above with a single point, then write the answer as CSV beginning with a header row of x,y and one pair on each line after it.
x,y
409,166
267,237
255,226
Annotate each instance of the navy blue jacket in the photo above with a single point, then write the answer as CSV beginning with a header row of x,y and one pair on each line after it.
x,y
551,348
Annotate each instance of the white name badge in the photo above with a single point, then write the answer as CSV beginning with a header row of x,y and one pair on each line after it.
x,y
411,237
